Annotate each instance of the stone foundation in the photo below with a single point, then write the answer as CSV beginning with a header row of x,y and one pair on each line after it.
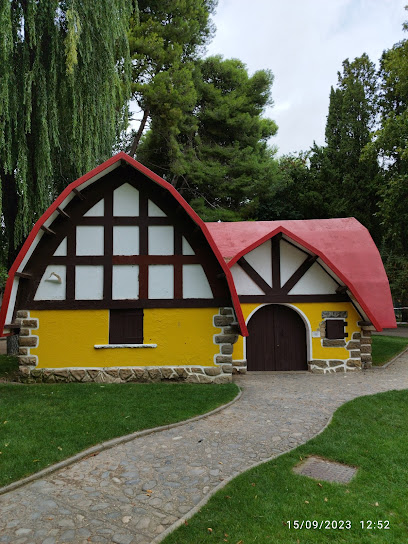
x,y
27,339
226,339
196,374
239,366
366,346
318,366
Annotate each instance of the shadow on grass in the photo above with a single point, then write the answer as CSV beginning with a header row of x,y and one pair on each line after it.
x,y
8,367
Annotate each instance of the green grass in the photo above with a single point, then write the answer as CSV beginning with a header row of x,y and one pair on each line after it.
x,y
387,347
370,433
8,367
45,423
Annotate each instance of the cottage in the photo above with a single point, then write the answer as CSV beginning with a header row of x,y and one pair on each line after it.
x,y
311,293
120,280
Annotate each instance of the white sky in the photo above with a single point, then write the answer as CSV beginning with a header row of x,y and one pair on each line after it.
x,y
304,43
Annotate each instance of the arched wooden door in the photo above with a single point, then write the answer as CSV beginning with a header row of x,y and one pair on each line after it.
x,y
277,340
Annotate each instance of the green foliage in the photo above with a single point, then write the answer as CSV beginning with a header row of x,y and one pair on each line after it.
x,y
391,144
211,212
348,177
218,152
9,366
295,192
396,266
72,39
3,277
392,136
63,90
164,42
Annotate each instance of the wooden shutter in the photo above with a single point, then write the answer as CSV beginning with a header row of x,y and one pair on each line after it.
x,y
126,326
335,329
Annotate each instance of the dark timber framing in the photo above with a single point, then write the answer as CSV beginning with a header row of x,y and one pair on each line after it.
x,y
72,216
280,293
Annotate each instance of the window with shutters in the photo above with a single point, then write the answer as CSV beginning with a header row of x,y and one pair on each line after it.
x,y
335,329
126,326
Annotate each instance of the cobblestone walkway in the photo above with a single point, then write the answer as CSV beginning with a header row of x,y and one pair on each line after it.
x,y
133,492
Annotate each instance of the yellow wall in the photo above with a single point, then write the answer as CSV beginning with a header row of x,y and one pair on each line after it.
x,y
313,312
184,336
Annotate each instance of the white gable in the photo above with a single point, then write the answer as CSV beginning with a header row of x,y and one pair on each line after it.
x,y
154,210
187,249
243,283
89,240
61,250
126,240
53,283
161,281
161,240
315,282
290,260
96,211
195,283
88,282
260,259
125,282
126,201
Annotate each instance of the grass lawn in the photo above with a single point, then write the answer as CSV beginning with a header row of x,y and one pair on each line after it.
x,y
387,347
370,433
45,423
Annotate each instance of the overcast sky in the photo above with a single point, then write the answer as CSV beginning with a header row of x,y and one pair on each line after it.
x,y
304,43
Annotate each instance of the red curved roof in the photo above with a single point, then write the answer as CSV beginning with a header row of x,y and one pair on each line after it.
x,y
345,245
98,171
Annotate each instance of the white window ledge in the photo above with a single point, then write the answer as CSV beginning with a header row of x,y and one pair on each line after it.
x,y
118,346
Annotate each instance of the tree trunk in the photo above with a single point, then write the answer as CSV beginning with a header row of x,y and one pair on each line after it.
x,y
139,133
10,207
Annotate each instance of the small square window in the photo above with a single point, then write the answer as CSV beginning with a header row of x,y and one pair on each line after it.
x,y
126,326
335,329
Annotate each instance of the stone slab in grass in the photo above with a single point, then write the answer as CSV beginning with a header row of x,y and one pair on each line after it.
x,y
322,469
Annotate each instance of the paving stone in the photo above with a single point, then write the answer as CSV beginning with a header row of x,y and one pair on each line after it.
x,y
84,533
92,497
149,485
68,536
143,523
23,532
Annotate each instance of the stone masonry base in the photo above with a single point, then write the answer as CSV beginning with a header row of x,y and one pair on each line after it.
x,y
196,374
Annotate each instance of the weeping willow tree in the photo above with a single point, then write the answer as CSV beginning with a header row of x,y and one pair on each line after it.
x,y
64,87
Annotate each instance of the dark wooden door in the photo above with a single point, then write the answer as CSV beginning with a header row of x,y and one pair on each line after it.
x,y
277,340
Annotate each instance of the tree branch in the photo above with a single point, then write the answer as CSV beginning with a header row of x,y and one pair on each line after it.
x,y
139,133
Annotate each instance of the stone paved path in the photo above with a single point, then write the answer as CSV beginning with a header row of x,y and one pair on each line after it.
x,y
133,492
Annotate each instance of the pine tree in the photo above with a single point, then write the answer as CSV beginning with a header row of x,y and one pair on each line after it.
x,y
391,144
220,161
165,40
349,175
